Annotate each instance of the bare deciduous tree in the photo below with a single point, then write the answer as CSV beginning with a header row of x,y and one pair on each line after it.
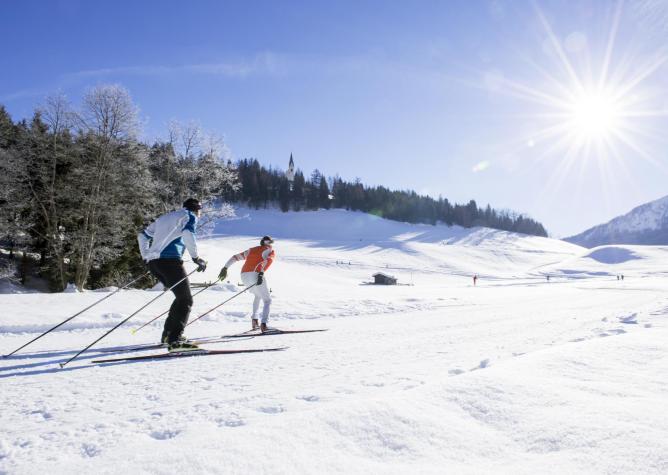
x,y
214,146
58,115
33,171
185,138
109,113
109,121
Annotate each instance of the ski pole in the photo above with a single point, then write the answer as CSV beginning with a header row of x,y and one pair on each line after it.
x,y
212,309
167,311
77,314
62,365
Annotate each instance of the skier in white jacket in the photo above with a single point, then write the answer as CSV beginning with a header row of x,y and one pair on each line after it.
x,y
162,245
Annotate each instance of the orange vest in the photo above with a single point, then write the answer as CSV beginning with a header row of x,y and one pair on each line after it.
x,y
255,259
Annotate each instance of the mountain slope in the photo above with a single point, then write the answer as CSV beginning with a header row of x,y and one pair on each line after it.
x,y
646,224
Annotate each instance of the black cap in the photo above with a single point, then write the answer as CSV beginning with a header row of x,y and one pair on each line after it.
x,y
192,204
265,240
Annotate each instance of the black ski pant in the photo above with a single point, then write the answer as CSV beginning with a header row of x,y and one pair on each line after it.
x,y
169,272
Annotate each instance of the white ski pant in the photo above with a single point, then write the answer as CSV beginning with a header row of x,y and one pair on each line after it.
x,y
261,293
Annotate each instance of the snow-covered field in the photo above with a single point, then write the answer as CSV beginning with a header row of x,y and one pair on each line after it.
x,y
514,375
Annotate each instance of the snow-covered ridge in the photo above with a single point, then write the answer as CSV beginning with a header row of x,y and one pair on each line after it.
x,y
645,224
339,234
346,226
651,215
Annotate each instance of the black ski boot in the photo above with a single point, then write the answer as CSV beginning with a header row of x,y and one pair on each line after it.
x,y
180,346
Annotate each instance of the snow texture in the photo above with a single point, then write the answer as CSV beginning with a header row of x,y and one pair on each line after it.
x,y
517,374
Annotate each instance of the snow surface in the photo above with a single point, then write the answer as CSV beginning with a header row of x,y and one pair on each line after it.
x,y
514,375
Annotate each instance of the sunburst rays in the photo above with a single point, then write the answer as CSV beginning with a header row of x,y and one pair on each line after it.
x,y
587,110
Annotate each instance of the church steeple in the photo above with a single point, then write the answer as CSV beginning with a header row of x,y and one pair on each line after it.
x,y
290,173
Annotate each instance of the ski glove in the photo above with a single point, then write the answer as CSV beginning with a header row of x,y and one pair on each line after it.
x,y
260,276
223,273
201,264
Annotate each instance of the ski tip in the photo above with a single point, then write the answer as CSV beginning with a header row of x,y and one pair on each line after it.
x,y
133,331
62,365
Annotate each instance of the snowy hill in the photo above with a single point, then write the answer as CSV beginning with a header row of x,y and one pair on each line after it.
x,y
646,224
514,375
381,243
606,261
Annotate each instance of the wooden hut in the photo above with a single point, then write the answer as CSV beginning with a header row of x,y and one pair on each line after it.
x,y
384,279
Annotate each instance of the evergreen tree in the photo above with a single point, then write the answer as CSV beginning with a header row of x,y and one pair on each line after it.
x,y
323,193
8,132
312,189
284,194
260,185
298,191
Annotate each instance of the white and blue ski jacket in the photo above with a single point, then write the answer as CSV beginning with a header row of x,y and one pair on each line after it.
x,y
168,236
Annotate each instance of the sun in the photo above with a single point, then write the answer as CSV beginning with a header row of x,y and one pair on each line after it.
x,y
586,106
595,115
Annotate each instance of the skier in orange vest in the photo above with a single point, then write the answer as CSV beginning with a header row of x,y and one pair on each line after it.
x,y
256,262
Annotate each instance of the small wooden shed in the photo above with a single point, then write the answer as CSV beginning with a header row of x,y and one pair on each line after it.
x,y
384,279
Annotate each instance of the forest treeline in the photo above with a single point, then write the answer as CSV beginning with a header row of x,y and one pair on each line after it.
x,y
263,187
77,184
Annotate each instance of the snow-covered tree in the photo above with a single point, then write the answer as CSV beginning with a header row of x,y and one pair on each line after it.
x,y
112,173
76,185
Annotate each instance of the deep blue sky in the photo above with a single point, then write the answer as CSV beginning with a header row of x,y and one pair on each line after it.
x,y
423,95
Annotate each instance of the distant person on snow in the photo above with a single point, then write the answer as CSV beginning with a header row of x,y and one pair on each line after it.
x,y
256,262
475,279
162,245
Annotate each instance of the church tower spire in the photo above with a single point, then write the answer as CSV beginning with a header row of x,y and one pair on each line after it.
x,y
290,173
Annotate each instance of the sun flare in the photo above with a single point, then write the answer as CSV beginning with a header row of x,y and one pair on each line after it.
x,y
589,106
595,115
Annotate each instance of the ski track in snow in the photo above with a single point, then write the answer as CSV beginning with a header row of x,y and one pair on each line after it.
x,y
516,375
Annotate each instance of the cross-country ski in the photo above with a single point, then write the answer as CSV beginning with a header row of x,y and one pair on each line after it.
x,y
209,340
268,332
200,352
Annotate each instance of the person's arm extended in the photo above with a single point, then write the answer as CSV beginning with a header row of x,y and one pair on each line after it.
x,y
235,258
